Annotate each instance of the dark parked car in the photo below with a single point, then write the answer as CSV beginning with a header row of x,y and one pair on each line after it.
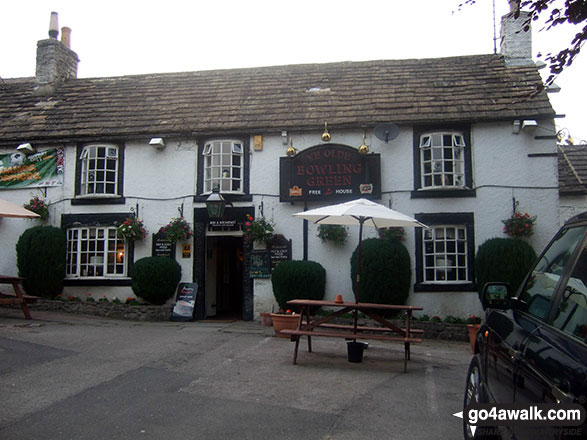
x,y
532,346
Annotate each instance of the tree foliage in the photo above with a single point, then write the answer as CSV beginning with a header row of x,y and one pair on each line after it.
x,y
557,13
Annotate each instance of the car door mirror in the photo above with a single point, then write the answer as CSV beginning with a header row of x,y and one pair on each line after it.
x,y
496,296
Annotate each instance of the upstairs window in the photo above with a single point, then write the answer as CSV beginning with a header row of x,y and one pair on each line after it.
x,y
99,170
223,166
442,160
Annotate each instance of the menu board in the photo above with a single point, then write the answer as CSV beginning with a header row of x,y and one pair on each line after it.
x,y
260,264
279,250
264,261
185,302
163,247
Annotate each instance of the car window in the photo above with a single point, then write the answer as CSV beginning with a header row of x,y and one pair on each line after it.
x,y
571,315
536,295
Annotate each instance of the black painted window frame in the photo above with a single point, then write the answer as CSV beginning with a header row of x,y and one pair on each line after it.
x,y
466,219
107,219
117,199
419,191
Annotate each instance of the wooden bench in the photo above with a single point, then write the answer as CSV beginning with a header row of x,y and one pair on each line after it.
x,y
18,297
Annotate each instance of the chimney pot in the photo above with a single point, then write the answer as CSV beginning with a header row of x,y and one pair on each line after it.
x,y
54,25
66,36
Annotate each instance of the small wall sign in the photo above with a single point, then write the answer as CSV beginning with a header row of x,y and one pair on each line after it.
x,y
186,250
162,247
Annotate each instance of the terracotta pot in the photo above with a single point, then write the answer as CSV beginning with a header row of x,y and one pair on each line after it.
x,y
266,319
473,329
282,322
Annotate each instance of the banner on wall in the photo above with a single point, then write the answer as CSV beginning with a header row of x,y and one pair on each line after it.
x,y
45,168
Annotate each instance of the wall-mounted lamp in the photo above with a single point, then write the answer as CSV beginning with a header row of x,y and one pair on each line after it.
x,y
326,135
284,137
157,143
516,127
215,204
26,148
364,149
291,151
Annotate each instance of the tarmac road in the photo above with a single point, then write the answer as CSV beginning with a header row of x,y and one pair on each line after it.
x,y
77,377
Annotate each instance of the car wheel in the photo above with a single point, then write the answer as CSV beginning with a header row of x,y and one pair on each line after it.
x,y
474,394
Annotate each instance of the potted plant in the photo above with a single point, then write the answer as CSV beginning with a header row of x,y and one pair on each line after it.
x,y
38,206
473,324
284,320
519,225
258,230
132,229
336,234
178,229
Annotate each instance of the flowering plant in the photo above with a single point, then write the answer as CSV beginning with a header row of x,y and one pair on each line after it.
x,y
178,229
393,233
132,229
337,234
38,206
287,312
519,225
473,320
258,230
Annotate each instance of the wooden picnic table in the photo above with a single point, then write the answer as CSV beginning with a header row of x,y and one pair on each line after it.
x,y
18,297
321,325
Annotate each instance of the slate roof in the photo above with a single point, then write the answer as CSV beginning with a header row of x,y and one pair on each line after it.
x,y
269,99
572,170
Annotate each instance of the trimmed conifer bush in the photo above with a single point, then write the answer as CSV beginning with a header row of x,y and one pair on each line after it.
x,y
297,279
503,259
40,258
386,272
155,279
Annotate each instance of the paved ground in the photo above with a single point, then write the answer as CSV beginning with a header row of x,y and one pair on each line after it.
x,y
76,377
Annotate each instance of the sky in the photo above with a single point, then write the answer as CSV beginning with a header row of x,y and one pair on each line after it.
x,y
126,37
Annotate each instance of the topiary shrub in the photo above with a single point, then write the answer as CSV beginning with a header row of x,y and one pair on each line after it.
x,y
503,259
386,272
296,279
155,279
40,258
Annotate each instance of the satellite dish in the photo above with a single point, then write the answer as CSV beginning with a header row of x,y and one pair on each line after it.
x,y
386,132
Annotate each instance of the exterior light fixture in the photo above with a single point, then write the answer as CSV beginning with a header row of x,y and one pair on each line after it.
x,y
364,149
215,204
26,148
291,151
516,127
157,143
326,135
529,125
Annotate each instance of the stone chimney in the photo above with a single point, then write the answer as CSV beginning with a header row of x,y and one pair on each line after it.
x,y
56,62
516,44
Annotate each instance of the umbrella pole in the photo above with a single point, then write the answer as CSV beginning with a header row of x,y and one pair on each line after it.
x,y
358,280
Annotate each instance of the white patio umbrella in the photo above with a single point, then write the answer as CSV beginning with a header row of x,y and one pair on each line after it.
x,y
359,212
8,209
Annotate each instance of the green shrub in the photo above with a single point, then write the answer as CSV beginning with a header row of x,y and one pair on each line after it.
x,y
155,279
386,272
40,258
503,259
296,279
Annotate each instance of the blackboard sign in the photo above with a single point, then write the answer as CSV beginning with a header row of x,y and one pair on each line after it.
x,y
279,250
260,264
163,247
185,302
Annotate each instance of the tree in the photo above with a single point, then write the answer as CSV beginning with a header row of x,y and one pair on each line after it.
x,y
559,12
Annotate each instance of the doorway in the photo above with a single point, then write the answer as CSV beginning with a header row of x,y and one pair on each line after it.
x,y
224,277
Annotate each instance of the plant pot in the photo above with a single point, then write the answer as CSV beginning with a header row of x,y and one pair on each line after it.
x,y
473,329
266,319
355,351
282,322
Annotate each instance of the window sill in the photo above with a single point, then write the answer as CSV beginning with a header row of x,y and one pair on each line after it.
x,y
448,287
443,193
98,200
97,282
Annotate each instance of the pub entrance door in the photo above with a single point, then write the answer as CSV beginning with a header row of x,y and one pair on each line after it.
x,y
224,277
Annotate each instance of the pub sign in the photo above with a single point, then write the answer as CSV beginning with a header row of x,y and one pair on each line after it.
x,y
327,172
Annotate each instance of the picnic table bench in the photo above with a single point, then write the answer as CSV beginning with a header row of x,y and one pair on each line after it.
x,y
18,297
321,326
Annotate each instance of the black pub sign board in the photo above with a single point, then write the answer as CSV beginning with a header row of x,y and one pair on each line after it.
x,y
328,172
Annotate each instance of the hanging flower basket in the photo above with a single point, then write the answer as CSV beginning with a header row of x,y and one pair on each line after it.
x,y
260,230
519,225
38,206
178,229
336,234
132,229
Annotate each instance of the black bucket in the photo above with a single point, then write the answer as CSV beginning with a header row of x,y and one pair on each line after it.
x,y
355,351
